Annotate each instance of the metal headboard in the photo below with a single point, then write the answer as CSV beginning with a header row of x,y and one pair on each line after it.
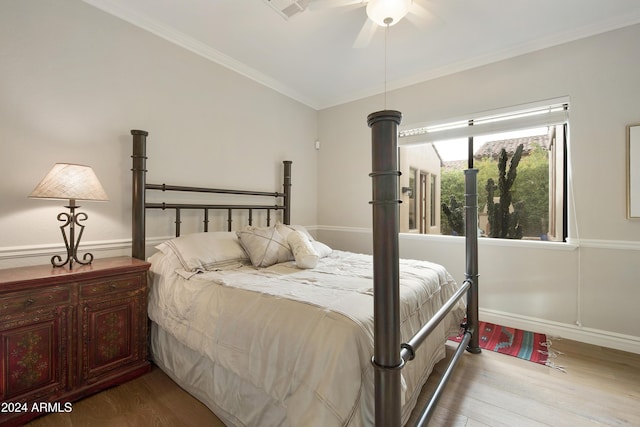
x,y
140,187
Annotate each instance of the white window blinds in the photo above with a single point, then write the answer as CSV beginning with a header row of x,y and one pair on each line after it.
x,y
545,113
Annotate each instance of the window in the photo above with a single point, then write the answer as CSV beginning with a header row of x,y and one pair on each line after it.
x,y
528,143
433,201
412,200
420,207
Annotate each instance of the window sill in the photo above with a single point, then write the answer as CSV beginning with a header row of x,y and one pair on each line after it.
x,y
488,241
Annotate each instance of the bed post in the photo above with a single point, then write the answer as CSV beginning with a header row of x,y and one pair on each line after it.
x,y
139,170
286,216
386,271
471,246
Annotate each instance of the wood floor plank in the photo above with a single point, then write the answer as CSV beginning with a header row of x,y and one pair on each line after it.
x,y
601,387
590,393
151,400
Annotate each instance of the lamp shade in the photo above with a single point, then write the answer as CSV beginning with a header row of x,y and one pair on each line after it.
x,y
70,181
387,12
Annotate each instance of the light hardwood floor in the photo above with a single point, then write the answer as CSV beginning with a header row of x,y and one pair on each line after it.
x,y
601,387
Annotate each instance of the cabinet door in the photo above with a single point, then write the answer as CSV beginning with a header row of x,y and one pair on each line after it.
x,y
34,352
113,334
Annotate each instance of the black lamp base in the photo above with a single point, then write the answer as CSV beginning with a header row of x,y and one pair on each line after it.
x,y
71,221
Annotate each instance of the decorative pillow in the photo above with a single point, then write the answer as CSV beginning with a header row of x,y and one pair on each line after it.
x,y
265,246
206,251
303,252
285,229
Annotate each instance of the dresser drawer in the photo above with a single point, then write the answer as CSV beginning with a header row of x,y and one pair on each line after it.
x,y
117,284
19,302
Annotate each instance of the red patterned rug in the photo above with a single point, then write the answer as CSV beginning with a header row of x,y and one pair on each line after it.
x,y
525,345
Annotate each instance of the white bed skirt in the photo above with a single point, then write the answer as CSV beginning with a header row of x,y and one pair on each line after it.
x,y
219,388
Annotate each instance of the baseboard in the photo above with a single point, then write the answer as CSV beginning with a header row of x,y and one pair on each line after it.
x,y
598,337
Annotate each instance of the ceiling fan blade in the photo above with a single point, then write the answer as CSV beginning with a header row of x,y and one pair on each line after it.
x,y
366,34
331,4
418,10
419,15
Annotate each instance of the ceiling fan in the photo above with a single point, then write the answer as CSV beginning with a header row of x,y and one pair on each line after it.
x,y
381,13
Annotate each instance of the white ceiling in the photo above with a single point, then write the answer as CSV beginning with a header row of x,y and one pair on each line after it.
x,y
310,57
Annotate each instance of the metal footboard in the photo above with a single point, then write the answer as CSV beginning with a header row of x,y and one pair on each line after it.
x,y
390,355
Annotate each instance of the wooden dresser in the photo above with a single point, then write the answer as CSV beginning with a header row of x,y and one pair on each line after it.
x,y
67,334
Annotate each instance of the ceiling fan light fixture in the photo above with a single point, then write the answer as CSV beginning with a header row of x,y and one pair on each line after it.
x,y
387,12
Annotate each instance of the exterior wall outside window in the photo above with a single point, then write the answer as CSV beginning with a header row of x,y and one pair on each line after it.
x,y
414,161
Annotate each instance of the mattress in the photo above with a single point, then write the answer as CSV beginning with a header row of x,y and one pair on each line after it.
x,y
284,346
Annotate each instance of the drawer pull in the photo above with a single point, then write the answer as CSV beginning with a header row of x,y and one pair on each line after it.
x,y
29,301
112,286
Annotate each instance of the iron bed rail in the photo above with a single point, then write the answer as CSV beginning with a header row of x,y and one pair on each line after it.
x,y
179,207
165,187
390,355
408,349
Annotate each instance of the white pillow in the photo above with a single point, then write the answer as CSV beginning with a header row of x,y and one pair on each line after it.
x,y
285,229
322,249
303,252
206,251
265,246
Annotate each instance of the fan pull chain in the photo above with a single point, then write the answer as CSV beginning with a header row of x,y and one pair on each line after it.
x,y
386,31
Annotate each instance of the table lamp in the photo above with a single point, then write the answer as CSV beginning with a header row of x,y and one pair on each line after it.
x,y
72,182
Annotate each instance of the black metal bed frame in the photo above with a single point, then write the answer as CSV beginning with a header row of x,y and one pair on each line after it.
x,y
390,354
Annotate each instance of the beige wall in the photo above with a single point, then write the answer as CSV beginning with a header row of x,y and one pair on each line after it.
x,y
74,81
585,290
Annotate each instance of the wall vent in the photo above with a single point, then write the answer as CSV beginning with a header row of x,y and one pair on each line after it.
x,y
288,8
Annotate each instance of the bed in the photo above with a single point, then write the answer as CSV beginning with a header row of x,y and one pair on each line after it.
x,y
269,327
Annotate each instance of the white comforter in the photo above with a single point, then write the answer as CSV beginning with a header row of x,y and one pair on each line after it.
x,y
312,360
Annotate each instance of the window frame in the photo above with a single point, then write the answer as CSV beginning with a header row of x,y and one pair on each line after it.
x,y
538,114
